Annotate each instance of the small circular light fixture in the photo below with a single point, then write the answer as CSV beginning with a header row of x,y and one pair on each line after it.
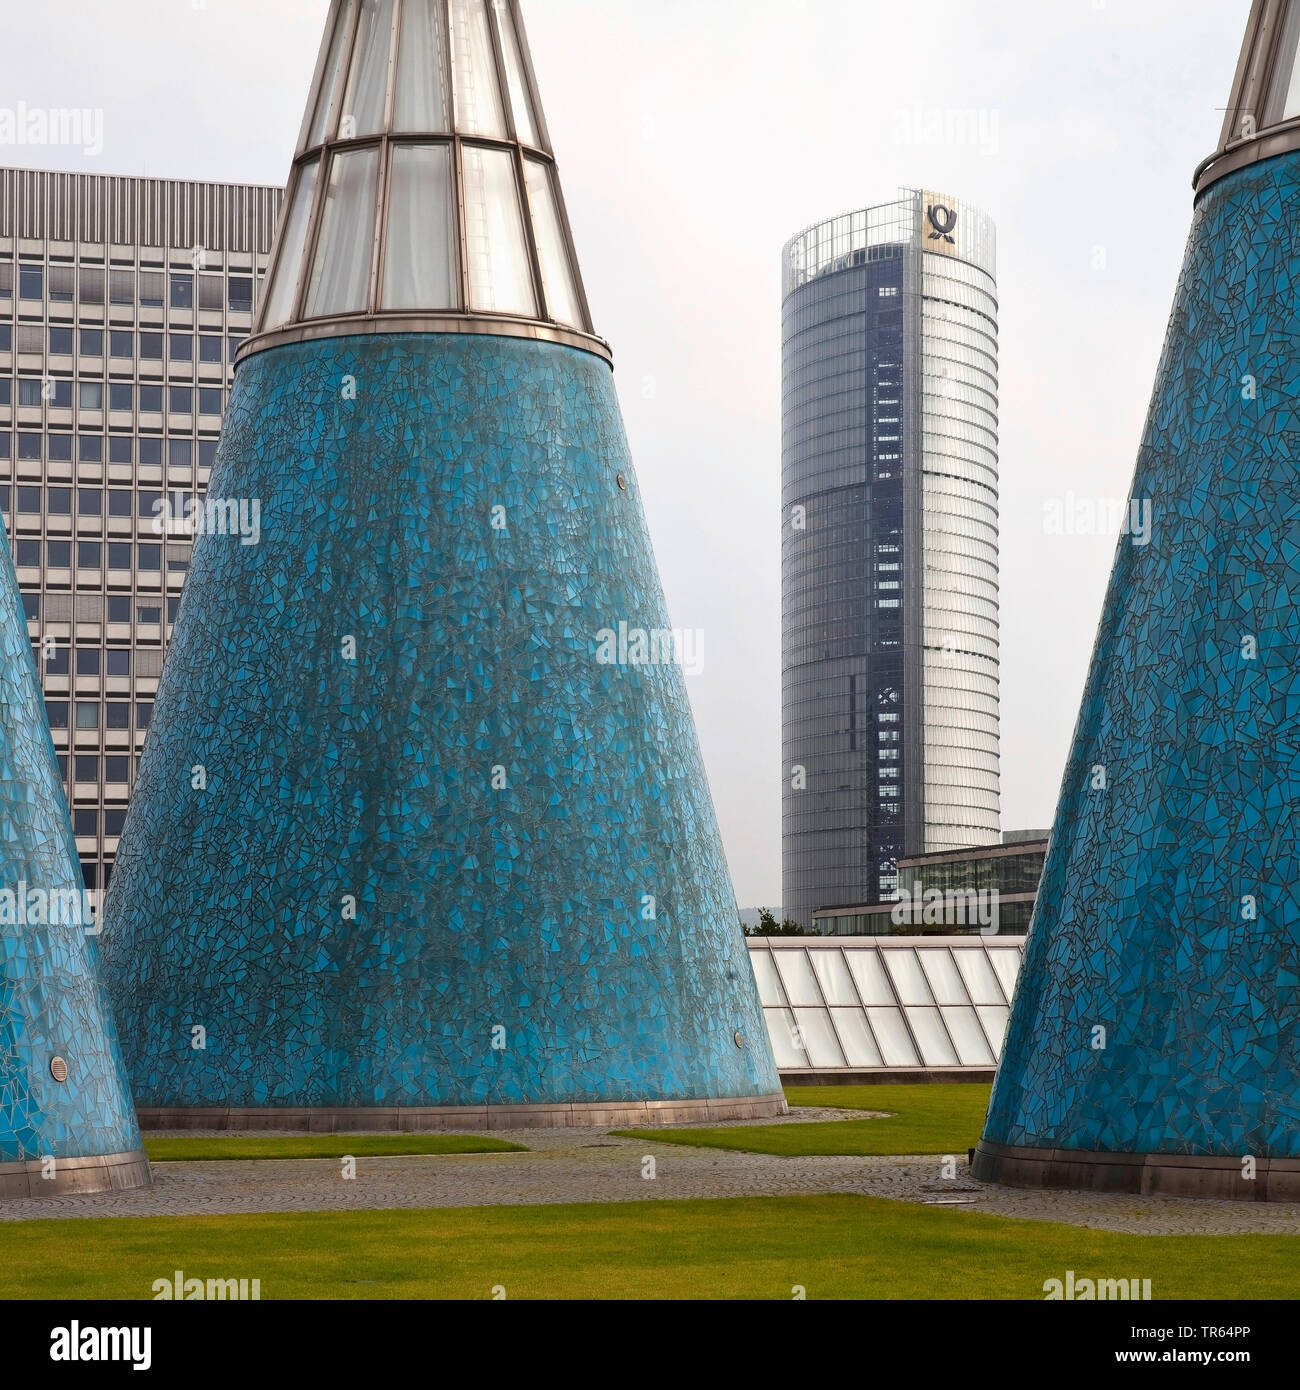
x,y
622,483
739,1037
58,1069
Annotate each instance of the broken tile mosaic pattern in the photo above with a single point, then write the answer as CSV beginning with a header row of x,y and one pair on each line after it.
x,y
1169,911
400,836
53,1005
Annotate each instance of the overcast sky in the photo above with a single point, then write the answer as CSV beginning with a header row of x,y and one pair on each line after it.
x,y
694,138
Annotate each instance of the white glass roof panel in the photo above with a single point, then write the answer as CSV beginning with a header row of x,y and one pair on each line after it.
x,y
994,1018
769,991
422,102
479,109
895,1042
869,976
781,1031
293,235
558,283
325,115
833,976
421,262
968,1037
1006,961
859,1046
340,278
500,279
512,59
366,95
907,976
797,976
931,1036
819,1038
943,977
978,976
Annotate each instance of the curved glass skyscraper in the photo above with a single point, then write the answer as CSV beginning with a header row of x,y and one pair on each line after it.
x,y
890,546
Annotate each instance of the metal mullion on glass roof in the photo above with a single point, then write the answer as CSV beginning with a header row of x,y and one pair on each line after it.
x,y
862,1003
339,87
787,1007
866,1010
385,157
821,994
351,149
995,1050
458,193
318,81
292,209
530,236
780,979
575,272
380,239
394,52
943,1022
530,77
499,66
313,235
277,249
898,1002
517,160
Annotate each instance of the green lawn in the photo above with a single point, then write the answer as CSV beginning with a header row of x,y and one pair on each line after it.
x,y
923,1120
835,1246
167,1148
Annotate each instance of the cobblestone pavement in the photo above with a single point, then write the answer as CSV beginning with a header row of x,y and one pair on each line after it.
x,y
591,1165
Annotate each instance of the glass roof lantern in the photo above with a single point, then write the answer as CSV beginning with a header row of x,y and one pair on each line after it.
x,y
424,195
1262,119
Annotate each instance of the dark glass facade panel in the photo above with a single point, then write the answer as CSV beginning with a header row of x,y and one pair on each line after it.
x,y
1013,873
843,560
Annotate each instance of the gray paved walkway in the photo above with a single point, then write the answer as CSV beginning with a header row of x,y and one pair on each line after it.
x,y
590,1165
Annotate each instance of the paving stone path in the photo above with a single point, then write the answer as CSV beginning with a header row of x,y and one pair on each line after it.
x,y
591,1165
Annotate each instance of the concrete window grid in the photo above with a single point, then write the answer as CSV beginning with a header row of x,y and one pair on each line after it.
x,y
91,283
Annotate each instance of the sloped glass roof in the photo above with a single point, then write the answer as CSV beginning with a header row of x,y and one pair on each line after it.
x,y
891,1002
424,183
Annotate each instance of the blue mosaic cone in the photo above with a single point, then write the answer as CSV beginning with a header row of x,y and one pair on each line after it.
x,y
1154,1041
411,833
66,1119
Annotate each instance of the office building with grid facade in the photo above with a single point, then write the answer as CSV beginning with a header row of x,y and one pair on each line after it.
x,y
122,304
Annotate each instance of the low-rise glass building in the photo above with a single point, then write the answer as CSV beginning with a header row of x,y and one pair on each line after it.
x,y
990,890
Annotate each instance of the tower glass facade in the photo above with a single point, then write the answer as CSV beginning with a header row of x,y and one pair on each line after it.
x,y
889,552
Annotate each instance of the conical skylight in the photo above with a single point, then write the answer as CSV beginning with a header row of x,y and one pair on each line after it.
x,y
424,183
1263,114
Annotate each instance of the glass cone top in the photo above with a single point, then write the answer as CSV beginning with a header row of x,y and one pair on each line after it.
x,y
424,193
1263,113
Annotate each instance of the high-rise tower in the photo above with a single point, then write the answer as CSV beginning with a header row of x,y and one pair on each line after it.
x,y
66,1120
889,547
1154,1041
414,839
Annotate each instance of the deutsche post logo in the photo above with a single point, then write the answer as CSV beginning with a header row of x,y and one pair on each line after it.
x,y
943,222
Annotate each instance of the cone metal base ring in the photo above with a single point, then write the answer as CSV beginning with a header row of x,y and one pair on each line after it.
x,y
102,1173
415,1119
1154,1175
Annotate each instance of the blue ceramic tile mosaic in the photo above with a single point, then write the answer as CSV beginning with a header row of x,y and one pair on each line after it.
x,y
400,836
53,1005
1169,911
